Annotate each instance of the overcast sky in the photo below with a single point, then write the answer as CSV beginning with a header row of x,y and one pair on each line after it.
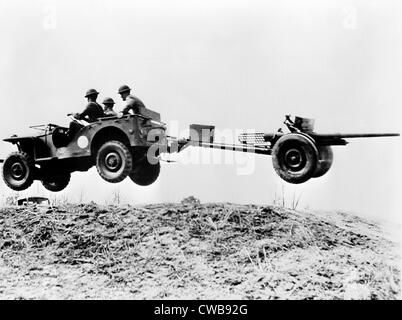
x,y
233,64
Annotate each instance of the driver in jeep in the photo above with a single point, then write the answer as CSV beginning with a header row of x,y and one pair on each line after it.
x,y
91,113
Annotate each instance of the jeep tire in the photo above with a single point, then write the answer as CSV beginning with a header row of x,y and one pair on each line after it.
x,y
56,183
114,161
145,173
18,171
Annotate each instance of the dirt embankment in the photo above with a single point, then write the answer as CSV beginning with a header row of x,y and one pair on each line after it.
x,y
191,251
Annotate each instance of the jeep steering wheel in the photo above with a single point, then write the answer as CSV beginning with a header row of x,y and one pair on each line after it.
x,y
71,116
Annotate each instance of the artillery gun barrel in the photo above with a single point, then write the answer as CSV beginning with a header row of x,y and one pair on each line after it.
x,y
353,135
332,138
335,136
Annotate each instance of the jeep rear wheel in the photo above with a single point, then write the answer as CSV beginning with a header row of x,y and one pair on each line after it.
x,y
145,173
56,183
18,171
114,161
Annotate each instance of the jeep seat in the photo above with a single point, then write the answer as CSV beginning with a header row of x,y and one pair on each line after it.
x,y
59,137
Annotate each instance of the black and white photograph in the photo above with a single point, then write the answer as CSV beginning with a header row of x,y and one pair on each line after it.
x,y
188,150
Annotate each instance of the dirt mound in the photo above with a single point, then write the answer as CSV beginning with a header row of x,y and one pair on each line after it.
x,y
193,250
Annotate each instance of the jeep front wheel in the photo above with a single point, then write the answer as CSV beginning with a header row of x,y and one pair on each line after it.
x,y
18,171
114,161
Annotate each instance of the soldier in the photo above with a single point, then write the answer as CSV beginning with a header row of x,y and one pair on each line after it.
x,y
91,113
93,110
108,110
132,102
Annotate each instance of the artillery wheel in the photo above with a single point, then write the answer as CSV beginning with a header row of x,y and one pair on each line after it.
x,y
56,183
114,161
326,157
294,158
18,171
145,173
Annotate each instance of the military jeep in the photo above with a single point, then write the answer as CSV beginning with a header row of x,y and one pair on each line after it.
x,y
117,146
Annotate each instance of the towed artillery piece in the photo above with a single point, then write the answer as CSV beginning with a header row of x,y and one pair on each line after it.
x,y
302,154
297,156
132,145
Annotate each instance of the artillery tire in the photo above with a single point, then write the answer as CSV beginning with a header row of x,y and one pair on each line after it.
x,y
114,161
18,171
294,158
325,159
56,183
145,173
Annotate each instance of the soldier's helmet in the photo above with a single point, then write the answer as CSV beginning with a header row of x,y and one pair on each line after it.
x,y
108,101
124,88
91,92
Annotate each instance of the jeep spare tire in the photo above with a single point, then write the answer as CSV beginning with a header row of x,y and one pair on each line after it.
x,y
18,171
114,161
57,182
294,157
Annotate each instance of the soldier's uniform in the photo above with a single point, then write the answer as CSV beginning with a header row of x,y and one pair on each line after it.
x,y
109,103
109,112
91,113
134,104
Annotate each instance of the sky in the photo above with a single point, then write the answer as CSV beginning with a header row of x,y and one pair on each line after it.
x,y
233,64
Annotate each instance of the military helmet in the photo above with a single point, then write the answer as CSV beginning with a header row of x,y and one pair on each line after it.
x,y
124,88
108,101
91,92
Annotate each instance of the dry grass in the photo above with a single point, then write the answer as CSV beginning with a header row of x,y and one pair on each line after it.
x,y
193,250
